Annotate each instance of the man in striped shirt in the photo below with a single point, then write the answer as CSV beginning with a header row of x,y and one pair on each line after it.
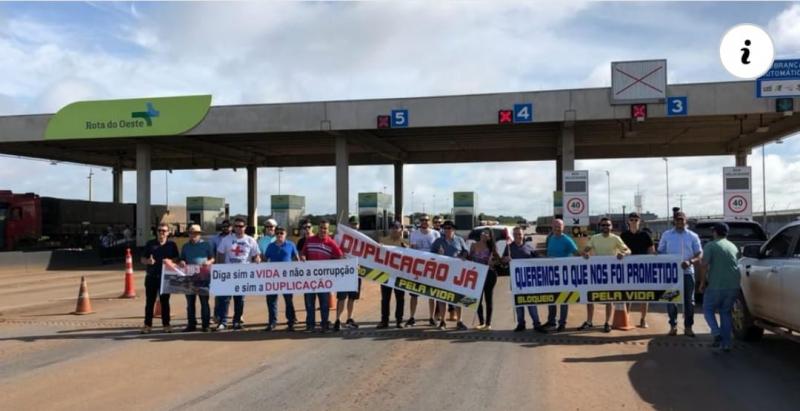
x,y
319,247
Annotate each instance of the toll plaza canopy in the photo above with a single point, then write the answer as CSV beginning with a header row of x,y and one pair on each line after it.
x,y
563,125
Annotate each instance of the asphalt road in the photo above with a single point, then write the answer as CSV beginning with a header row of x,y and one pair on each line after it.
x,y
52,360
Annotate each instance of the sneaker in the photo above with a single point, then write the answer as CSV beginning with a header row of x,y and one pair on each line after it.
x,y
206,329
399,325
717,341
726,349
146,329
688,332
309,329
220,327
167,329
585,326
540,329
479,327
488,327
606,328
460,326
431,322
549,324
290,327
643,324
411,322
673,331
326,328
561,328
442,325
189,329
269,327
520,328
382,326
351,324
336,326
237,326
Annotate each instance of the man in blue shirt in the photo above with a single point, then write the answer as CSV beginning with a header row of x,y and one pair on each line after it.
x,y
197,251
268,236
280,250
450,245
559,245
685,243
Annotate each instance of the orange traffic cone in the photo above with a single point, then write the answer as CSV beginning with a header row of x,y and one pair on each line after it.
x,y
84,305
621,318
157,308
130,288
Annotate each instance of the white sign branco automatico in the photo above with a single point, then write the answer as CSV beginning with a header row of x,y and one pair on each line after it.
x,y
576,198
737,193
638,81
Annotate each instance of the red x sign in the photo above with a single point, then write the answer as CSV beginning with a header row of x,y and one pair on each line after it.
x,y
637,80
639,111
383,121
505,116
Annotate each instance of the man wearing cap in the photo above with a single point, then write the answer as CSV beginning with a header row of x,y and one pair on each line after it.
x,y
238,248
640,243
685,243
450,245
197,251
721,271
422,239
268,236
220,303
394,238
353,222
280,250
604,243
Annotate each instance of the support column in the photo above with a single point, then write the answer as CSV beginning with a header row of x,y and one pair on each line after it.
x,y
565,158
342,180
398,191
252,196
741,159
143,217
116,176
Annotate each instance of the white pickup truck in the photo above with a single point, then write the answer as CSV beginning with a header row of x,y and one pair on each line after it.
x,y
770,297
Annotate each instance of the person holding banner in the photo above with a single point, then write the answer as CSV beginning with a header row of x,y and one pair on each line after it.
x,y
280,250
437,226
721,270
450,245
395,238
422,239
518,249
319,247
685,243
640,243
155,252
197,251
238,248
483,251
559,245
604,243
220,303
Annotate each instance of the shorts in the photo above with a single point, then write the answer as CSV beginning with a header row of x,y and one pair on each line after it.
x,y
353,295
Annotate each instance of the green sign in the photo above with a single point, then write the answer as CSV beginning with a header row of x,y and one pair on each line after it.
x,y
367,200
287,202
463,199
160,116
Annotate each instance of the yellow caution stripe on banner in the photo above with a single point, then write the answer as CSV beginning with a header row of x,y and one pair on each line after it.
x,y
372,274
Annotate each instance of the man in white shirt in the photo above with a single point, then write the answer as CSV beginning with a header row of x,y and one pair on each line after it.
x,y
238,248
422,239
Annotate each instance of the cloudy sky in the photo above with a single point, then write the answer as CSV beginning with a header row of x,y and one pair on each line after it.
x,y
54,53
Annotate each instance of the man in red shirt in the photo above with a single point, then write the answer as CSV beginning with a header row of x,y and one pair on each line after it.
x,y
319,247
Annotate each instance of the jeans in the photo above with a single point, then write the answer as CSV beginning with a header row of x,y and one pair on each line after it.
x,y
220,306
152,286
688,304
399,304
722,301
272,309
324,308
238,308
488,296
551,314
205,310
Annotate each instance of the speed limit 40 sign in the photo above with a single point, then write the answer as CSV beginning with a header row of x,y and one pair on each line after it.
x,y
737,193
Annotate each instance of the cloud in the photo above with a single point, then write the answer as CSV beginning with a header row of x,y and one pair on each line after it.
x,y
785,31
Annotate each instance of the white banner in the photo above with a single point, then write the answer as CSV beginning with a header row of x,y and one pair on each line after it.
x,y
296,277
641,278
189,279
442,278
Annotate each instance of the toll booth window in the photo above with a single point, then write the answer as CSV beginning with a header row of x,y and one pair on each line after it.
x,y
367,222
737,183
464,221
574,186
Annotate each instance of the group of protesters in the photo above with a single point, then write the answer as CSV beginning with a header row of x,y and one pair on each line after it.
x,y
718,274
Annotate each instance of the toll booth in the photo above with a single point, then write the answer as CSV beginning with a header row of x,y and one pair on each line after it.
x,y
375,212
288,210
206,211
465,211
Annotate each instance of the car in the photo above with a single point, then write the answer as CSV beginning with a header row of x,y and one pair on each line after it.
x,y
741,232
770,287
502,234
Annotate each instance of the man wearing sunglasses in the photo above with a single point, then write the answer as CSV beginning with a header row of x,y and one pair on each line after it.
x,y
238,248
450,245
319,247
685,243
604,243
640,243
280,250
422,239
220,302
155,252
305,232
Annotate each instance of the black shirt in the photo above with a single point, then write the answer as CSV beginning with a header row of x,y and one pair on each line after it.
x,y
639,242
159,253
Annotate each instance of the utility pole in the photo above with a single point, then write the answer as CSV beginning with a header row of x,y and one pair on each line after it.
x,y
91,173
